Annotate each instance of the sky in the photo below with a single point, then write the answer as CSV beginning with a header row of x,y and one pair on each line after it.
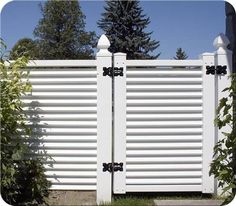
x,y
191,25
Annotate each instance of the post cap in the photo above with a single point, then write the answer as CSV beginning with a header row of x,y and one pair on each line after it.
x,y
221,41
103,42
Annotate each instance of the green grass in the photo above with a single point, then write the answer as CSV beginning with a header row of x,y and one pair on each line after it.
x,y
181,196
147,199
131,201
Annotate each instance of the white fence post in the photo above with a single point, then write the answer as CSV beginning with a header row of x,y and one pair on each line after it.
x,y
223,57
119,180
208,129
104,121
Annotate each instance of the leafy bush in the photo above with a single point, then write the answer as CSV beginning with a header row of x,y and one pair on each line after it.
x,y
223,166
23,181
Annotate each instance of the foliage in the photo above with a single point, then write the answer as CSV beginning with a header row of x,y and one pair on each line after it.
x,y
180,54
24,47
124,25
23,181
61,32
223,166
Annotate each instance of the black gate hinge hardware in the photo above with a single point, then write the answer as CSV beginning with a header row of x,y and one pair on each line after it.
x,y
110,71
112,167
221,69
216,70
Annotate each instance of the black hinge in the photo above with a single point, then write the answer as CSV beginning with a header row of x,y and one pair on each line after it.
x,y
221,70
210,69
113,167
216,70
107,71
110,71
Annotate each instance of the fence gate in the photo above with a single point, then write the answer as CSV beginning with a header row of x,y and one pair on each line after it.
x,y
158,124
163,123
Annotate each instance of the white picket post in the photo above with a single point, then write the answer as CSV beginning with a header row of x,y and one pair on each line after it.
x,y
119,178
208,129
104,121
223,57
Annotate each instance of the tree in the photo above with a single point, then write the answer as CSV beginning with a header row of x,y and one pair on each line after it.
x,y
180,54
26,47
124,24
61,32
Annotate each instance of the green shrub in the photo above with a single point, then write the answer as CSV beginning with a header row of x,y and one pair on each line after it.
x,y
23,181
224,165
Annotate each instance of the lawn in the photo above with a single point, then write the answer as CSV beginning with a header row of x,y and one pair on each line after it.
x,y
147,199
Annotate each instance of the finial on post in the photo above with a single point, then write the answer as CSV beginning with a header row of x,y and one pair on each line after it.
x,y
223,56
220,43
103,45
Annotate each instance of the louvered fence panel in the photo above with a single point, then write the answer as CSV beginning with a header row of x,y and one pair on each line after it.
x,y
164,127
62,111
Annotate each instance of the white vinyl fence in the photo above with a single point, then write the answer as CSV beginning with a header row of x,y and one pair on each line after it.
x,y
63,112
159,136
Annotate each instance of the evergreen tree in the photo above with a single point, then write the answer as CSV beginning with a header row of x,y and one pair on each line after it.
x,y
26,47
180,54
61,32
124,24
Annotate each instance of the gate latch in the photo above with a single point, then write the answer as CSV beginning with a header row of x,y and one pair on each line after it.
x,y
110,71
113,167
